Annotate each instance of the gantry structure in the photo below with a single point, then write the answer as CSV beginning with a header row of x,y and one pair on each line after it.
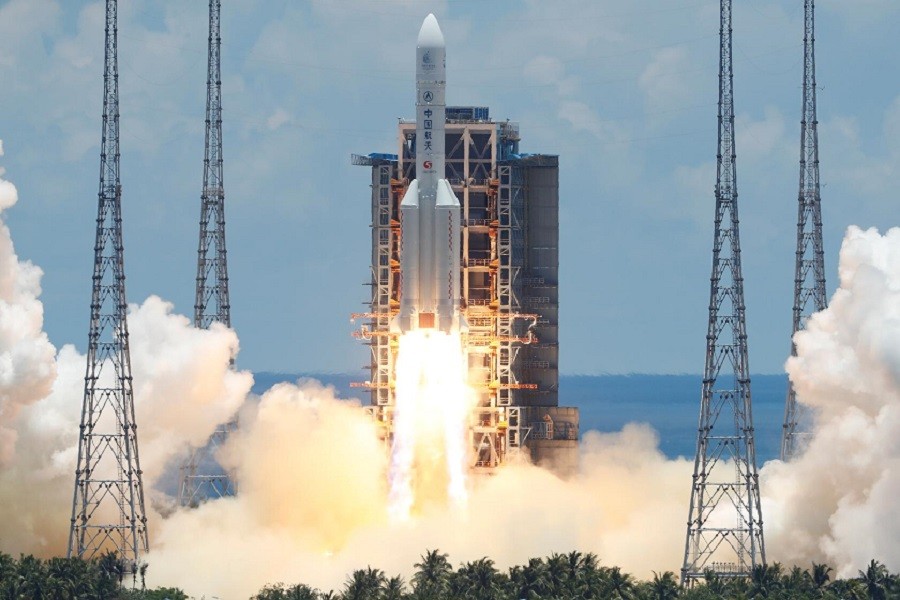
x,y
510,290
724,530
809,272
108,503
201,476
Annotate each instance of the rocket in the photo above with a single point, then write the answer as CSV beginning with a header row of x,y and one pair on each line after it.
x,y
430,211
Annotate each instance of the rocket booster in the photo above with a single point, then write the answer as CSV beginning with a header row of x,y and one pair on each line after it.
x,y
429,211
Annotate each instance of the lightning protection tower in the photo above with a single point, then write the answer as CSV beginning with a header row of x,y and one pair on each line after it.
x,y
201,477
108,503
809,273
724,530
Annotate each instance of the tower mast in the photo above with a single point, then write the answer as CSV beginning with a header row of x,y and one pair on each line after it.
x,y
809,273
200,479
212,304
108,502
724,531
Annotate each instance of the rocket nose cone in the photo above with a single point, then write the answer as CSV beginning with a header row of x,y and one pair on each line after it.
x,y
430,35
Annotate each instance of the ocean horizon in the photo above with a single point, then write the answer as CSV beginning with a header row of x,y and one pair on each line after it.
x,y
668,403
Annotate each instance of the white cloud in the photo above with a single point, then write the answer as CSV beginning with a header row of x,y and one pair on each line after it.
x,y
764,139
21,23
582,117
666,81
852,160
278,118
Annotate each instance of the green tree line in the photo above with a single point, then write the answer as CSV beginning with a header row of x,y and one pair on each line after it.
x,y
572,576
577,576
104,578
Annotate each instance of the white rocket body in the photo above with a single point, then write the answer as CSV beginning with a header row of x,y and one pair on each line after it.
x,y
430,212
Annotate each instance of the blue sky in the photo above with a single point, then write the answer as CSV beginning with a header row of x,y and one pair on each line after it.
x,y
624,92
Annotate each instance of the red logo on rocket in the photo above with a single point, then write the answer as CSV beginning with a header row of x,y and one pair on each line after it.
x,y
427,164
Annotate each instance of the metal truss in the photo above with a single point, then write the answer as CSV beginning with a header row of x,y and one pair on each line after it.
x,y
724,532
809,273
108,502
201,478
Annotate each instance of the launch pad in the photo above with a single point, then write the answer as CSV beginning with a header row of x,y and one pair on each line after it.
x,y
509,267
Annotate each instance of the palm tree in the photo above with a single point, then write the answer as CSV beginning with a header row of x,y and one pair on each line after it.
x,y
849,589
63,576
364,584
797,582
558,574
33,576
595,579
620,584
432,575
876,580
699,592
142,569
7,567
481,580
531,582
820,575
393,589
714,582
580,570
112,566
765,580
302,592
664,587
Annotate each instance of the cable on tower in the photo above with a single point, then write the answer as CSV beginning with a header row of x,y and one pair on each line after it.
x,y
809,273
108,503
724,529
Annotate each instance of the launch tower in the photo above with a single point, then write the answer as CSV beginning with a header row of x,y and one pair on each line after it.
x,y
809,273
201,477
509,273
108,504
724,529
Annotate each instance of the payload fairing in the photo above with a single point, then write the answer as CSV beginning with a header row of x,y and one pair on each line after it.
x,y
430,211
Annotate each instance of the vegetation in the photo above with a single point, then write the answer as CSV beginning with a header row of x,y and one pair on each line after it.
x,y
556,577
581,577
105,578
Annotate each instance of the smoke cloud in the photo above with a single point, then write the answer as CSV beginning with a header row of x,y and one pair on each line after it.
x,y
181,378
311,509
837,503
183,388
310,469
26,355
313,506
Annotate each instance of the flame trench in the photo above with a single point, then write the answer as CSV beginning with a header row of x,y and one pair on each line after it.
x,y
428,455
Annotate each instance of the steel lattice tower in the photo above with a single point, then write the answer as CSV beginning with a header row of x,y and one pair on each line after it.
x,y
211,304
108,503
809,274
724,532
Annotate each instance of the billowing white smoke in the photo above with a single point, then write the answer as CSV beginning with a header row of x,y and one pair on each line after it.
x,y
181,379
838,502
183,389
26,355
184,386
